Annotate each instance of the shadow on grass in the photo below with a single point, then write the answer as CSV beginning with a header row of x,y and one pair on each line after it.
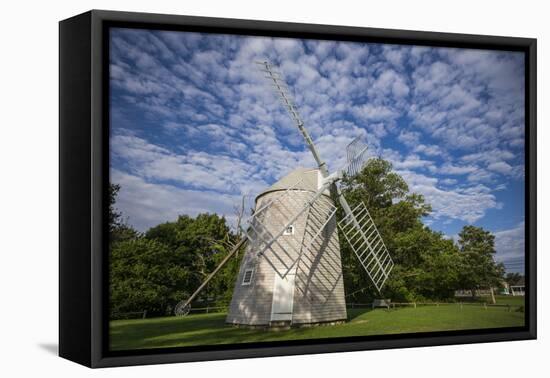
x,y
192,330
203,330
357,312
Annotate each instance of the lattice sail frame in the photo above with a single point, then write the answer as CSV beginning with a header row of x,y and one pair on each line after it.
x,y
281,89
356,153
364,239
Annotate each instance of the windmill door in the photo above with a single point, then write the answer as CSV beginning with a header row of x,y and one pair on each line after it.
x,y
283,298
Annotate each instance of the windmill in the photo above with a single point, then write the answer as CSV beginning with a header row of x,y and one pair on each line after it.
x,y
291,272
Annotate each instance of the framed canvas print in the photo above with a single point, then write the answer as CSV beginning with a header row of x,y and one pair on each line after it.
x,y
233,188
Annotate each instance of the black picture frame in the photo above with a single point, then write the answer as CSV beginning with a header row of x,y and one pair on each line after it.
x,y
84,176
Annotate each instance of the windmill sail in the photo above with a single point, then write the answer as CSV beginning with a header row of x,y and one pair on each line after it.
x,y
356,153
281,88
367,244
358,227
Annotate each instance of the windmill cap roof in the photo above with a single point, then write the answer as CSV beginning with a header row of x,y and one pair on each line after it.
x,y
299,179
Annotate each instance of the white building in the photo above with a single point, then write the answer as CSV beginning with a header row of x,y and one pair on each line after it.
x,y
518,290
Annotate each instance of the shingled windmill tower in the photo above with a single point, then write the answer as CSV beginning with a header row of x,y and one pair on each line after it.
x,y
291,273
297,278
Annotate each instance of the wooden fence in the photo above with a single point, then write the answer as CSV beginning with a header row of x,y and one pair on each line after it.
x,y
393,305
130,315
209,309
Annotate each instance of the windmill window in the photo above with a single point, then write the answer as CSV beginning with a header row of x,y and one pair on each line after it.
x,y
247,278
289,230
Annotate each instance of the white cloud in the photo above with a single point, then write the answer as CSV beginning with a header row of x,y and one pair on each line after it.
x,y
490,156
500,167
450,169
449,181
194,169
468,204
461,99
409,138
414,161
395,56
432,150
371,112
390,82
481,175
147,204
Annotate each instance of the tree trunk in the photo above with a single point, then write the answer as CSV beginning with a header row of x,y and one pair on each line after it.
x,y
493,296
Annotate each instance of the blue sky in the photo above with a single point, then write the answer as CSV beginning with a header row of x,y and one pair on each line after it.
x,y
195,125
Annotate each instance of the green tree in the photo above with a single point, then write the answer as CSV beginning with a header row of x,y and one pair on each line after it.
x,y
201,243
115,216
166,264
119,230
478,267
146,275
376,185
429,264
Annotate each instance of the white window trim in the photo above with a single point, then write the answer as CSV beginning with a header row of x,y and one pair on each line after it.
x,y
286,232
244,283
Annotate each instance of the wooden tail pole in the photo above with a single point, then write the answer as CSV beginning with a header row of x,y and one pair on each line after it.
x,y
183,305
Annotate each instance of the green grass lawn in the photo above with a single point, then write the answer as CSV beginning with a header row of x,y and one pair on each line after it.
x,y
512,301
208,329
